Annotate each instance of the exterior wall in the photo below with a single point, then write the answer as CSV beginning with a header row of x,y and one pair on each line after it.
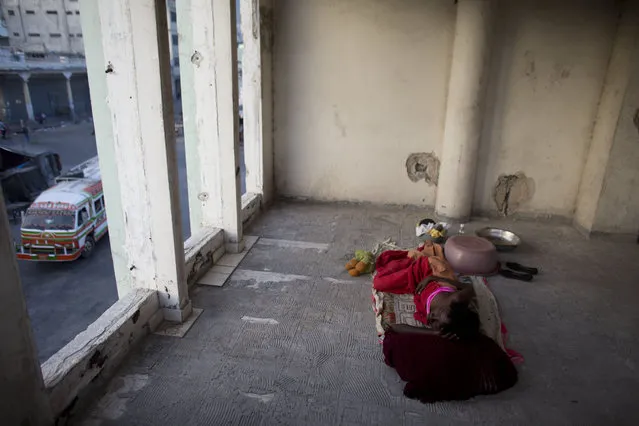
x,y
359,86
48,95
43,25
548,67
81,95
14,108
72,10
618,210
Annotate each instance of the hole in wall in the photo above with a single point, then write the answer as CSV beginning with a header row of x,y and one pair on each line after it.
x,y
423,166
512,191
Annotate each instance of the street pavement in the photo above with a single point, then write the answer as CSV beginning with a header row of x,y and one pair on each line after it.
x,y
64,298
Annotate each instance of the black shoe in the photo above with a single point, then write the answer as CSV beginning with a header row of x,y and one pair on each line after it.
x,y
515,275
520,268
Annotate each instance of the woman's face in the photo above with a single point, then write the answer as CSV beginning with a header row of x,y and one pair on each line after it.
x,y
438,317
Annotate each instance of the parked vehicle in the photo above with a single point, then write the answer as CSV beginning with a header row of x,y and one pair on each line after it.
x,y
65,221
24,175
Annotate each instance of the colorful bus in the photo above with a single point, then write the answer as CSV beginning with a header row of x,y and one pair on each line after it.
x,y
65,221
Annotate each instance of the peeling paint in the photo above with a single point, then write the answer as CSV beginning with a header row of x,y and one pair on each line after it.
x,y
267,397
97,360
253,320
262,277
512,191
423,166
338,281
293,244
255,10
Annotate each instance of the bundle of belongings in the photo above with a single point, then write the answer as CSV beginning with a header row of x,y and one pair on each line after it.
x,y
442,333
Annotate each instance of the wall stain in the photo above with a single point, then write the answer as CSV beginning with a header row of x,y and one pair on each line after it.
x,y
512,191
338,121
423,166
530,69
266,28
559,73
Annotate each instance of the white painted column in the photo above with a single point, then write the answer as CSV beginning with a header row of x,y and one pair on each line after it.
x,y
23,400
208,66
257,97
67,76
140,164
102,122
464,109
25,76
608,111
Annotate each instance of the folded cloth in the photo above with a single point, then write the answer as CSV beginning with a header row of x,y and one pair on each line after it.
x,y
438,369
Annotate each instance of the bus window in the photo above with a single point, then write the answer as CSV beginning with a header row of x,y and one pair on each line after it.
x,y
98,205
83,216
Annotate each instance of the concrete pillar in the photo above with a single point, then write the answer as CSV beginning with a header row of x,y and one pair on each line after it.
x,y
135,78
103,124
25,76
603,134
257,96
22,396
67,76
464,109
208,57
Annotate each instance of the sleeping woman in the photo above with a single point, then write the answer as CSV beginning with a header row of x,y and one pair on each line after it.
x,y
442,303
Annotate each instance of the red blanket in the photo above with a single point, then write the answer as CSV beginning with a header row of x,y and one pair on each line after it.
x,y
397,273
438,369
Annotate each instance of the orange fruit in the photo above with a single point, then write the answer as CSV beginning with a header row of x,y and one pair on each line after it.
x,y
353,272
361,267
351,264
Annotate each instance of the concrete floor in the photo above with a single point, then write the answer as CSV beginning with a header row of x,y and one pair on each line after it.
x,y
317,360
64,298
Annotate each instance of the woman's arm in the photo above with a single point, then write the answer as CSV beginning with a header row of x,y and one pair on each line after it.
x,y
409,329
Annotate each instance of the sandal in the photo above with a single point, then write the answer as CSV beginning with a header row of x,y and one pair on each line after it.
x,y
515,275
521,268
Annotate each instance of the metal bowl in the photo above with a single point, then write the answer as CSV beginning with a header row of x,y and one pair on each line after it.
x,y
502,239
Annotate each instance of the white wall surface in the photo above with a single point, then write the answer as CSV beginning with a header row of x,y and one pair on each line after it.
x,y
548,66
359,86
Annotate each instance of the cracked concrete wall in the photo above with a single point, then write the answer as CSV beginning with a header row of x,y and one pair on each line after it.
x,y
618,209
548,67
359,86
353,103
512,192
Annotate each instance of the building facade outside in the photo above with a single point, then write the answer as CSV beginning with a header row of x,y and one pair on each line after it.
x,y
42,67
